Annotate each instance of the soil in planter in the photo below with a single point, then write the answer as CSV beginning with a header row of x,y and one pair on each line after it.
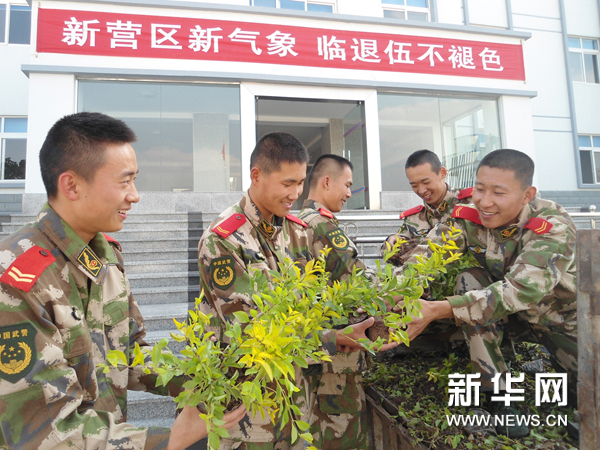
x,y
416,383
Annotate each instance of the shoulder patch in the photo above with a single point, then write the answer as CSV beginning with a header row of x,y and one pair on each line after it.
x,y
538,225
27,268
113,241
296,220
326,213
229,225
465,193
466,212
411,211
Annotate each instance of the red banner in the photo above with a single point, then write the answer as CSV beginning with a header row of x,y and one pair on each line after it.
x,y
142,36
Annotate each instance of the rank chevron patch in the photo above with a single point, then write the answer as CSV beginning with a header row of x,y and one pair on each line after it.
x,y
27,268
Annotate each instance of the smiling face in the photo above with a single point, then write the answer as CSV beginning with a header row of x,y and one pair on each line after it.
x,y
499,197
337,190
427,184
274,193
105,200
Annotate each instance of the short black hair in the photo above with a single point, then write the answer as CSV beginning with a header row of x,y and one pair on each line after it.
x,y
422,157
329,164
272,149
514,160
78,142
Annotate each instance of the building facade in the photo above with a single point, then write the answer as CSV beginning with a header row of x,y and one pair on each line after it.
x,y
370,80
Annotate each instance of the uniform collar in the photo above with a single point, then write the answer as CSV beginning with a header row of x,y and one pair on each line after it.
x,y
514,230
445,206
269,230
92,259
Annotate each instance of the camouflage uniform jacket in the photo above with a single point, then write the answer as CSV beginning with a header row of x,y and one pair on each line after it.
x,y
64,305
418,221
240,239
324,231
532,263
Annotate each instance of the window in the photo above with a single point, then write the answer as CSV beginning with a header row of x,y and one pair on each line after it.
x,y
583,59
297,5
188,134
406,9
589,152
13,144
459,130
15,23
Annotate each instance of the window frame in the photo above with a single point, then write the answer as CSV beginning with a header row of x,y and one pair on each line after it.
x,y
582,52
593,150
332,3
10,135
7,27
406,9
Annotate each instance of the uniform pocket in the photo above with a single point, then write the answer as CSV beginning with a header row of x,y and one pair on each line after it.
x,y
25,419
116,324
76,341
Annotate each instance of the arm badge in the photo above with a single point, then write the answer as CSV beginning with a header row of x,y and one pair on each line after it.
x,y
338,239
222,272
17,351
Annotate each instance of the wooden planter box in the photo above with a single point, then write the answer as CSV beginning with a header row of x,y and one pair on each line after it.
x,y
385,433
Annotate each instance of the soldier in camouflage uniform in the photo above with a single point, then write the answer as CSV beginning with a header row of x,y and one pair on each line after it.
x,y
526,288
66,302
339,416
427,178
258,232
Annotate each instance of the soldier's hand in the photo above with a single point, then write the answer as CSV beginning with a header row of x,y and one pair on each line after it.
x,y
430,311
349,341
189,428
391,240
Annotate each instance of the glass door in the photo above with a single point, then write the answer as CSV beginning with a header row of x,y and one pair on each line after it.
x,y
355,150
324,127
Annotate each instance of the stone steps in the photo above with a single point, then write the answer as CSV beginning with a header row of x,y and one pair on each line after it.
x,y
166,295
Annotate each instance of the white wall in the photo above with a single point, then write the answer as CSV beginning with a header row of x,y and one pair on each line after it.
x,y
587,107
51,97
546,72
582,18
450,11
366,8
14,91
488,13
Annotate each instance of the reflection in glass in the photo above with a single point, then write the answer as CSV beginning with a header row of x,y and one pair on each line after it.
x,y
587,173
315,7
15,125
291,4
20,24
15,151
393,14
267,3
591,68
584,141
460,131
597,160
188,134
416,16
2,23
